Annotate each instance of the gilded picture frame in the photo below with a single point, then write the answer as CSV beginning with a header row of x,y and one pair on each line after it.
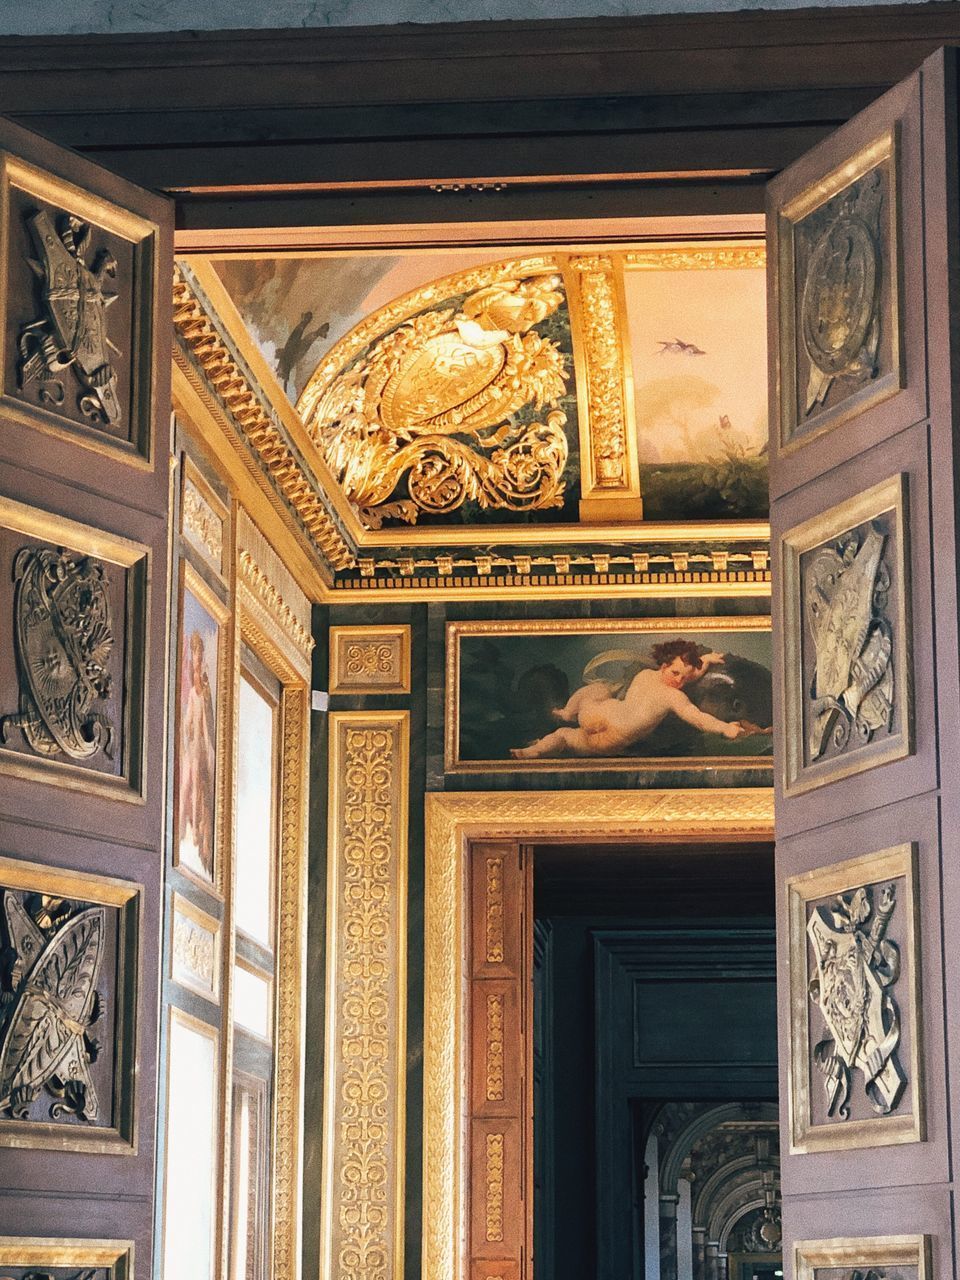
x,y
813,1257
116,1256
843,916
134,561
20,178
509,641
209,608
50,886
370,659
882,512
879,156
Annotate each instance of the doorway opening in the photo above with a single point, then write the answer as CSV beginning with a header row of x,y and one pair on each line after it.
x,y
653,1023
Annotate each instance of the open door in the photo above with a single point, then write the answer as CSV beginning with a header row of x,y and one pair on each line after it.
x,y
863,270
86,262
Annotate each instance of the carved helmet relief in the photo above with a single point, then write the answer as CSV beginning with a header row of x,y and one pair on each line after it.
x,y
64,639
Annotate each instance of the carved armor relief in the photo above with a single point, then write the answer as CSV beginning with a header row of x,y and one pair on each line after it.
x,y
848,679
840,322
67,998
79,285
34,1259
855,1059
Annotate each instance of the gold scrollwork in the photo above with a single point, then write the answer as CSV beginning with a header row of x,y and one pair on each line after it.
x,y
373,659
494,906
436,412
363,1178
494,1187
495,1062
202,524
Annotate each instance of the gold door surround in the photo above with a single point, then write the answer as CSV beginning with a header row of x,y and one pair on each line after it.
x,y
453,820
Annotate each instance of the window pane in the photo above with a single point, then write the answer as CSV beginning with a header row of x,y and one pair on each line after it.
x,y
251,1002
256,787
192,1142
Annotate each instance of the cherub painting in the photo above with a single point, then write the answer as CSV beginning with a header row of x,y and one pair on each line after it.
x,y
197,738
655,693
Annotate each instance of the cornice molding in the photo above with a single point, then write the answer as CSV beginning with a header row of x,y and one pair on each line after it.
x,y
204,344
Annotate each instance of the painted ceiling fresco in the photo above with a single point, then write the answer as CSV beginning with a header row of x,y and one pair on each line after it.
x,y
473,414
461,388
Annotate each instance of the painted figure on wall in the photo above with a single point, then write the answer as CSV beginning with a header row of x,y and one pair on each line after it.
x,y
197,739
611,718
614,693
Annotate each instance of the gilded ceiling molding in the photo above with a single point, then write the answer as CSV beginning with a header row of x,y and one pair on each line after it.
x,y
610,476
452,820
709,258
365,1068
203,343
269,595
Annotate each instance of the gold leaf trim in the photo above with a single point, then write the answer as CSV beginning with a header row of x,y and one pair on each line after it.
x,y
452,819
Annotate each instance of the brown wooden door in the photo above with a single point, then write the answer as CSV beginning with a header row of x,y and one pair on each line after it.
x,y
863,270
85,271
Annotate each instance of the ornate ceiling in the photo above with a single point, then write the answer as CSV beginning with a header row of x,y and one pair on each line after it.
x,y
475,420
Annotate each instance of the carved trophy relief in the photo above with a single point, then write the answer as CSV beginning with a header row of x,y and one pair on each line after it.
x,y
840,315
50,1006
846,593
455,405
64,638
857,967
68,345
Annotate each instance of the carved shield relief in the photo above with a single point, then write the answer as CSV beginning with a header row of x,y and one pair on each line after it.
x,y
71,668
854,1058
78,283
839,295
67,992
847,670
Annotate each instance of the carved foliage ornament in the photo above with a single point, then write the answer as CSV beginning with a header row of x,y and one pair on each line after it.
x,y
71,332
432,414
49,1004
845,591
64,638
857,967
840,303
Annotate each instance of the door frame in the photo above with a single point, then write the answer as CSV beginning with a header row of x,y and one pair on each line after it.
x,y
452,822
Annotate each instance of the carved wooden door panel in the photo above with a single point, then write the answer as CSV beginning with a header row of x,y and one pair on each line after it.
x,y
85,270
863,271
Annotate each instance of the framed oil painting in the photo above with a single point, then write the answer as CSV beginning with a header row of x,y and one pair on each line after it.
x,y
889,1257
847,695
696,315
198,750
587,694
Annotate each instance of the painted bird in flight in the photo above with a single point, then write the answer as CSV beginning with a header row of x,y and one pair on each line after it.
x,y
677,347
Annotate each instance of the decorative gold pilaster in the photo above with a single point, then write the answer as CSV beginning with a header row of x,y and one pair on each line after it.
x,y
609,471
291,993
364,1093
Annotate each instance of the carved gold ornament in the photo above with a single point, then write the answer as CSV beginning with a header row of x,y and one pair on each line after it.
x,y
856,968
64,638
72,329
845,594
840,304
431,415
